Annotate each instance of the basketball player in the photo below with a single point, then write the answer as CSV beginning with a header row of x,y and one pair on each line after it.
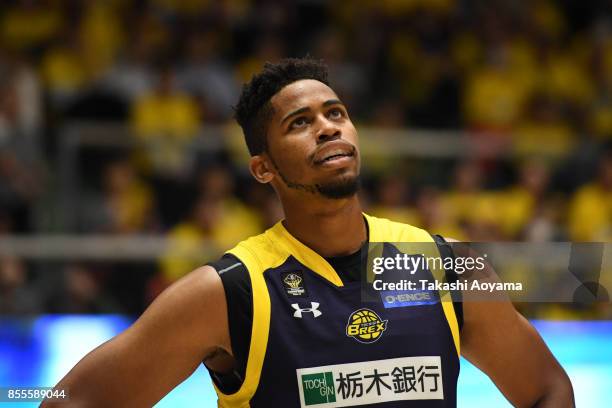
x,y
279,320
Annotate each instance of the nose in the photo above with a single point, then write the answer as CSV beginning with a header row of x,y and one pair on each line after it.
x,y
328,130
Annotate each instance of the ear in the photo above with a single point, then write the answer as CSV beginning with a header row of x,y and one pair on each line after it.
x,y
261,168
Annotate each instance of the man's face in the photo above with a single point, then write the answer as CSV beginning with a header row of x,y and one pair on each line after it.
x,y
312,143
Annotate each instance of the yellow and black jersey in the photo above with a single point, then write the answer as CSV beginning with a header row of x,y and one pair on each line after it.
x,y
302,335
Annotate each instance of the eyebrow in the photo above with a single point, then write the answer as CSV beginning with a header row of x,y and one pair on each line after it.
x,y
295,112
306,109
333,102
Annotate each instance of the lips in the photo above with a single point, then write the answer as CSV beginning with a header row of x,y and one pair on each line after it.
x,y
335,154
333,150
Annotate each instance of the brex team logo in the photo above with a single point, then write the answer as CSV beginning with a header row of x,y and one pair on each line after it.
x,y
293,283
365,326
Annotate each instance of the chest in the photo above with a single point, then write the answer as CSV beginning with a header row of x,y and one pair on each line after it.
x,y
350,322
340,345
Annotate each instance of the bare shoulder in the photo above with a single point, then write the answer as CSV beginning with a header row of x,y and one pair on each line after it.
x,y
197,286
197,296
200,288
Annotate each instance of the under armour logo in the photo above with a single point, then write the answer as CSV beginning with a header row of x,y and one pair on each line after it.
x,y
314,309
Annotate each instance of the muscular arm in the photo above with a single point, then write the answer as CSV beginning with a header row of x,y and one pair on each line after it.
x,y
504,345
184,326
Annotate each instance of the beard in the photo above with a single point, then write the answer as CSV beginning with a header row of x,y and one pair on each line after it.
x,y
337,189
344,188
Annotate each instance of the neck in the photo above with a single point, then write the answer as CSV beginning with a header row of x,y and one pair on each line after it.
x,y
329,227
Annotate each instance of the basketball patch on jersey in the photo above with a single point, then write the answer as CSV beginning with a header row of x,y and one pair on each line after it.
x,y
293,282
404,298
370,382
365,326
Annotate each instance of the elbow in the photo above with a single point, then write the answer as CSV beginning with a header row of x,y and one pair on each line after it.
x,y
559,392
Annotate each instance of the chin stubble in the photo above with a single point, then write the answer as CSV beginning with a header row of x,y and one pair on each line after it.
x,y
335,190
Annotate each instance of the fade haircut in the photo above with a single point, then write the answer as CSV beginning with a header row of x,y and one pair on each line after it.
x,y
254,110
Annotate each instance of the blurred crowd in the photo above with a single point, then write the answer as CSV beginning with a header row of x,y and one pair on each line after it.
x,y
529,82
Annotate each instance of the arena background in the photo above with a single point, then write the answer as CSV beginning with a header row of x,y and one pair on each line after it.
x,y
121,169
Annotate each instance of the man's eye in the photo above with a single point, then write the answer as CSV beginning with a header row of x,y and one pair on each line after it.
x,y
299,122
335,113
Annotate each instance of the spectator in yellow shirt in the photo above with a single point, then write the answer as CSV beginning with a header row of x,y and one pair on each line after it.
x,y
392,200
126,206
166,120
30,24
191,243
236,221
590,213
434,217
495,95
461,199
218,220
518,204
544,131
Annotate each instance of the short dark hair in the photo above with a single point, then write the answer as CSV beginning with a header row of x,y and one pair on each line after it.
x,y
254,110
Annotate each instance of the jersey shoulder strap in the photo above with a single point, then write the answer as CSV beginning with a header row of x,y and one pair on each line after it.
x,y
446,251
412,239
384,230
258,254
239,300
